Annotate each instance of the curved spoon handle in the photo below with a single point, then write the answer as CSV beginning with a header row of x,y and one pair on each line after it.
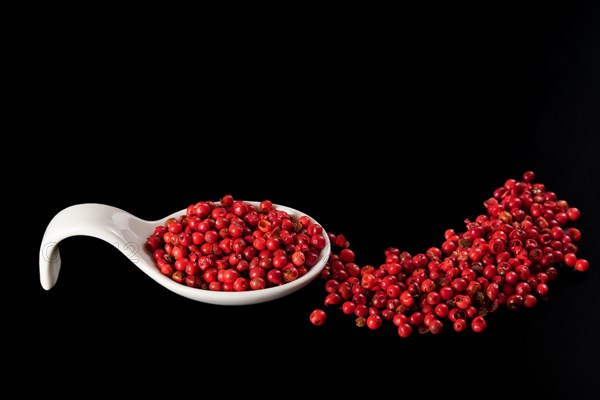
x,y
90,219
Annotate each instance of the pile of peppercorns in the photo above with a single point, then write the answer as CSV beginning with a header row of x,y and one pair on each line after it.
x,y
235,246
504,258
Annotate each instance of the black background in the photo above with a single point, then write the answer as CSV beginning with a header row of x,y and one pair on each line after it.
x,y
388,131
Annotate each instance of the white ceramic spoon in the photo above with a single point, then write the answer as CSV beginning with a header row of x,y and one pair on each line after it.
x,y
128,234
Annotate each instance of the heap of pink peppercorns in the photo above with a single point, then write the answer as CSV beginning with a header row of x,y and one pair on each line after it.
x,y
505,257
235,246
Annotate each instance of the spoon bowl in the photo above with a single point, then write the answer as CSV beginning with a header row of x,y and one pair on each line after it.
x,y
128,234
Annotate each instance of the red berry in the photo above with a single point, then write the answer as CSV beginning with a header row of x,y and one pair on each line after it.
x,y
478,324
374,321
570,259
582,265
573,214
318,317
404,330
459,325
346,255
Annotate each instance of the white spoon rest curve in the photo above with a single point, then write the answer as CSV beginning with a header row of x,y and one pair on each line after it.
x,y
128,234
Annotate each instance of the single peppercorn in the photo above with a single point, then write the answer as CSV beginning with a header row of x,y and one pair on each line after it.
x,y
318,317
